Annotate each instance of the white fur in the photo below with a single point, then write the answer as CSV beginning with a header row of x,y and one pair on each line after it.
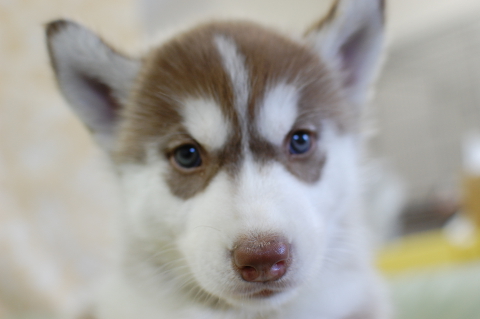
x,y
205,122
278,112
234,63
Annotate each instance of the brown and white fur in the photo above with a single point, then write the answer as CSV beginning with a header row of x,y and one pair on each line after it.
x,y
236,92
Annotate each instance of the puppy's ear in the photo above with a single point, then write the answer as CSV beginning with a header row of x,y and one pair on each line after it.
x,y
93,78
350,40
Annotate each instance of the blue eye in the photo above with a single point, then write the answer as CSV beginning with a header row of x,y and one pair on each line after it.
x,y
300,142
187,156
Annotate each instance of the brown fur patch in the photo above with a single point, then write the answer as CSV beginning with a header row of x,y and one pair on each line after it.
x,y
272,59
188,66
191,66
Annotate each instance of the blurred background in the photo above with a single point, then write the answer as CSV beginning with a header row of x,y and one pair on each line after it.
x,y
57,197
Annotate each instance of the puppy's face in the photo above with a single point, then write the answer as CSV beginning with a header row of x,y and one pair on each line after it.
x,y
236,147
237,139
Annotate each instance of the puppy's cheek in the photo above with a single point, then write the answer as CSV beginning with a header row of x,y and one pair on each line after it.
x,y
150,210
208,263
206,238
207,258
308,230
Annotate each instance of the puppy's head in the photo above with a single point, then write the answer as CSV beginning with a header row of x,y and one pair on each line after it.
x,y
236,146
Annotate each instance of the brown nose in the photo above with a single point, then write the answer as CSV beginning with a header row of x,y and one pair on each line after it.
x,y
262,258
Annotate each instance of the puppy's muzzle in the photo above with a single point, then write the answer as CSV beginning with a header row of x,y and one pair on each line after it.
x,y
262,258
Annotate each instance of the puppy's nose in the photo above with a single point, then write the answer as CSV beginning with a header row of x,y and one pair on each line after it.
x,y
262,258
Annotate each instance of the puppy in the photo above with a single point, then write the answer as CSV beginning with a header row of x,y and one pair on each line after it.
x,y
237,149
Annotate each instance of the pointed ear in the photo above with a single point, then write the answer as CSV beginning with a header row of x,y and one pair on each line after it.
x,y
350,40
94,79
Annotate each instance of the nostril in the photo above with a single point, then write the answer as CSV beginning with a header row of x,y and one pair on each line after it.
x,y
249,273
277,270
262,258
278,267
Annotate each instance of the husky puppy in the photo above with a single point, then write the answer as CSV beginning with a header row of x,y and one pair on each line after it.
x,y
238,152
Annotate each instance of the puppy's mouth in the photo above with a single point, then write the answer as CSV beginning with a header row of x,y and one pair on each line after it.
x,y
263,294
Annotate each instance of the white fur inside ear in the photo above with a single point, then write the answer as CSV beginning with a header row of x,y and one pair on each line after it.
x,y
351,41
94,78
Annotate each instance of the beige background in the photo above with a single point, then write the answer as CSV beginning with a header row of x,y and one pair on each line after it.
x,y
54,196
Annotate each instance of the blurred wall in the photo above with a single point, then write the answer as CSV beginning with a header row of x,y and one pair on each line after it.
x,y
427,102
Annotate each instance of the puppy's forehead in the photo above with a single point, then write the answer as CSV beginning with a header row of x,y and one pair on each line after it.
x,y
233,74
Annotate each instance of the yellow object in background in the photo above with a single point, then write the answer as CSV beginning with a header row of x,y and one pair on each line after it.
x,y
428,249
471,176
458,242
471,198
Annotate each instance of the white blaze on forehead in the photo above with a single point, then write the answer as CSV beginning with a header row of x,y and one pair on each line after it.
x,y
278,113
234,63
205,122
